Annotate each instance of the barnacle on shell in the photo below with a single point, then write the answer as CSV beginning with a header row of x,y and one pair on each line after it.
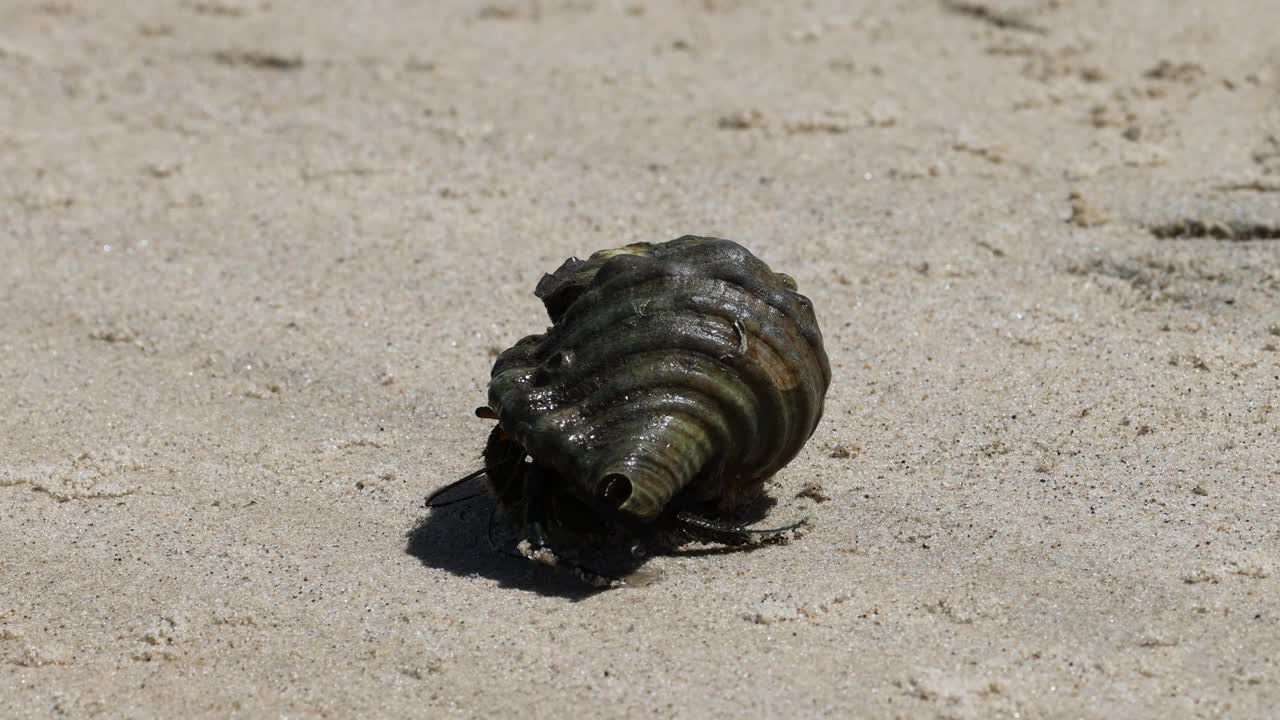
x,y
677,374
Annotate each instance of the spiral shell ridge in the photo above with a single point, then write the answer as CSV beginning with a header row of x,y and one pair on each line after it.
x,y
685,366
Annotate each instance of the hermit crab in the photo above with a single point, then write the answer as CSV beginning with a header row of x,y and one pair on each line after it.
x,y
675,379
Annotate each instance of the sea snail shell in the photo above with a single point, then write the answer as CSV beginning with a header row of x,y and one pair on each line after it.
x,y
677,374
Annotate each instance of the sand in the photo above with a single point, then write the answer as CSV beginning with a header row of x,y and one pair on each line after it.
x,y
258,258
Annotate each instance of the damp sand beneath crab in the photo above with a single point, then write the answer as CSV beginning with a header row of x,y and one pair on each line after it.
x,y
259,258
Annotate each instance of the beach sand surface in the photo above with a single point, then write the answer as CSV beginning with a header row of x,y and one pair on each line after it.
x,y
257,258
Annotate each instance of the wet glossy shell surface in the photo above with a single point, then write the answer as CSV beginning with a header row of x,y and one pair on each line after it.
x,y
686,368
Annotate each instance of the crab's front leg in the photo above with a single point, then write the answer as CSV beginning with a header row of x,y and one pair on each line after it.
x,y
533,521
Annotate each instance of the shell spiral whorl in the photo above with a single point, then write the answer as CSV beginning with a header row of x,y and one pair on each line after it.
x,y
686,368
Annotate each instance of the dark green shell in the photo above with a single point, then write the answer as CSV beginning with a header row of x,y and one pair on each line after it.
x,y
686,368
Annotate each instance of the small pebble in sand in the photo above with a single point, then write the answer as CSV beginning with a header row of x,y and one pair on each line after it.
x,y
814,491
844,452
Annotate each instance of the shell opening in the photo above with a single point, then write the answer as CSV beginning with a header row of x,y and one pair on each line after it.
x,y
614,489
